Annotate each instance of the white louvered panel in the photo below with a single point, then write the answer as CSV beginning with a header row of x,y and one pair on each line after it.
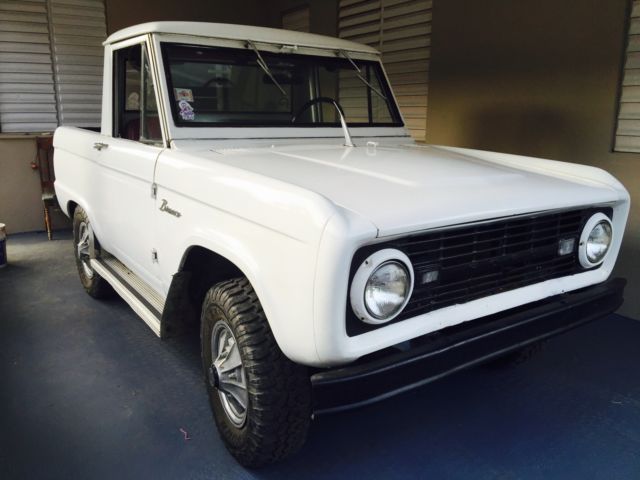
x,y
631,77
406,49
630,94
297,19
26,27
19,88
19,58
27,107
16,100
360,21
19,47
628,128
401,30
11,68
628,143
80,60
79,28
629,111
27,99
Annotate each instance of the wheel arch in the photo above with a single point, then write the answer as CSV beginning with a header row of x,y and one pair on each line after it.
x,y
280,270
71,208
200,268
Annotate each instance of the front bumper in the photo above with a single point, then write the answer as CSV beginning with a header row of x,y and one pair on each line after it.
x,y
384,374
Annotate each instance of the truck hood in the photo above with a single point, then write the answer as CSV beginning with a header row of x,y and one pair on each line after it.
x,y
413,187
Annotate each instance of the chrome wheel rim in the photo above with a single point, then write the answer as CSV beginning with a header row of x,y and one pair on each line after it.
x,y
85,238
227,373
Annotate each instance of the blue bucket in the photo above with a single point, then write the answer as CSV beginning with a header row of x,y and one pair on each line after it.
x,y
3,246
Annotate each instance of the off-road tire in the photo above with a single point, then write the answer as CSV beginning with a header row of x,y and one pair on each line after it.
x,y
95,285
279,391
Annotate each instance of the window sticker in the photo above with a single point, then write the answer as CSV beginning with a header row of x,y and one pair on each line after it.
x,y
133,101
183,94
186,110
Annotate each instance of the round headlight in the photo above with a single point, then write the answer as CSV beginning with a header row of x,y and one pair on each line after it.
x,y
598,242
595,240
386,290
381,286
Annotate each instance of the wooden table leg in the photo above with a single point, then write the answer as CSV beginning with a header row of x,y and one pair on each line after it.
x,y
47,220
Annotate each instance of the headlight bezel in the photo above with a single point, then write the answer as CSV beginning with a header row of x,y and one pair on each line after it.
x,y
588,228
362,275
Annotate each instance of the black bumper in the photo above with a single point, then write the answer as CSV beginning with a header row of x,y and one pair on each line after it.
x,y
436,355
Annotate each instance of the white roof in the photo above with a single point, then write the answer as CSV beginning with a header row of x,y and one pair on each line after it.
x,y
240,32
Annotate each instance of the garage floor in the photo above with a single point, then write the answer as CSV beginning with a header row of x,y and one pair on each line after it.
x,y
89,392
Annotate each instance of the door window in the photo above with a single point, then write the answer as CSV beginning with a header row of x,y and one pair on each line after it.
x,y
135,109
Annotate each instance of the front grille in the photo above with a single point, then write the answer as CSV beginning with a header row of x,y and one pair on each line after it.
x,y
479,260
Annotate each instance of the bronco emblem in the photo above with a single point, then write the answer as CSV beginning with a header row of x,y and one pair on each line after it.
x,y
170,211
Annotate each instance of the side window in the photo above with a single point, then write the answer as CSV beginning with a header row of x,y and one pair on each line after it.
x,y
135,110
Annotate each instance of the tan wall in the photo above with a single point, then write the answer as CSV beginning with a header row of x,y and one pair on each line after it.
x,y
120,13
20,192
323,14
535,77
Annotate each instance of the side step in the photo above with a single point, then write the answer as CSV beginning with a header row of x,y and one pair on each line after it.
x,y
143,299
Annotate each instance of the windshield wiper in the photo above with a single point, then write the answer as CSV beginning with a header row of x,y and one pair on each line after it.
x,y
265,67
359,74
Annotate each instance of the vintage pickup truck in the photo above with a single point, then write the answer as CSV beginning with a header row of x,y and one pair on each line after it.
x,y
260,185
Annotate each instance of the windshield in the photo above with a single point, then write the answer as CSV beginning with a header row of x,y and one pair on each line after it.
x,y
216,86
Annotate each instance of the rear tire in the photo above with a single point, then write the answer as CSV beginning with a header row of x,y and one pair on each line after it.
x,y
86,247
261,400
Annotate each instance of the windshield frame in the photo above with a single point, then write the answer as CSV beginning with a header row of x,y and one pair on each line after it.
x,y
374,63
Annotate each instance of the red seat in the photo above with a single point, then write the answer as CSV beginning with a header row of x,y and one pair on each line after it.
x,y
132,130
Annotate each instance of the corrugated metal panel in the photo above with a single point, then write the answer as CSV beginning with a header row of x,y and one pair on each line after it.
x,y
628,129
401,30
297,19
27,99
50,63
78,30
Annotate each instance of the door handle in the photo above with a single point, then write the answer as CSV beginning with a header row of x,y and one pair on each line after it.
x,y
99,145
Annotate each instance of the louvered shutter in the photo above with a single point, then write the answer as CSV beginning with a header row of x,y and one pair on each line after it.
x,y
27,98
401,30
297,20
78,30
628,130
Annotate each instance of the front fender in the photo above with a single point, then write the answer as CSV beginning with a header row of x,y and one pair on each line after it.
x,y
284,287
268,229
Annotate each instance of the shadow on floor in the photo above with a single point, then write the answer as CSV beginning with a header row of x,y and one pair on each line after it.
x,y
89,392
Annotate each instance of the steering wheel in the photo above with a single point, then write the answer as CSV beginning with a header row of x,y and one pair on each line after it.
x,y
220,80
313,102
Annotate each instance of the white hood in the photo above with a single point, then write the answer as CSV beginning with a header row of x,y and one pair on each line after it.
x,y
409,187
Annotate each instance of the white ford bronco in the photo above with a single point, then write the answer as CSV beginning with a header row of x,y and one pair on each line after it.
x,y
260,185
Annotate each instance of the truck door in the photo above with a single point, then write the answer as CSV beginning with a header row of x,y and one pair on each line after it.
x,y
128,161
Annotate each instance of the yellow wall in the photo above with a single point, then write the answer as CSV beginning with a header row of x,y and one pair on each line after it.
x,y
540,78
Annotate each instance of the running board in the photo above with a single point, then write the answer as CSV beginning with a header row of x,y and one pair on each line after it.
x,y
143,299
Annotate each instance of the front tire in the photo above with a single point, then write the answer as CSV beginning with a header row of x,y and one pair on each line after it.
x,y
85,247
261,400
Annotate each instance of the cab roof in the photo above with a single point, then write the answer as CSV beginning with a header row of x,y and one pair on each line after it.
x,y
240,32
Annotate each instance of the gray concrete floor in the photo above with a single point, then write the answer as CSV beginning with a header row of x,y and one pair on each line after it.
x,y
89,392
